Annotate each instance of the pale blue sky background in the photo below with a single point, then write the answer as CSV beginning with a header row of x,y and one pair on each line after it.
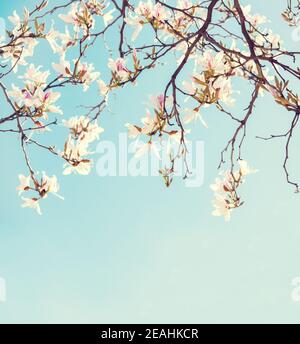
x,y
129,250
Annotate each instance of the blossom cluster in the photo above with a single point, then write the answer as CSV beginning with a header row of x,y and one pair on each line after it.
x,y
225,190
162,20
24,41
81,16
33,98
43,187
83,131
207,56
153,128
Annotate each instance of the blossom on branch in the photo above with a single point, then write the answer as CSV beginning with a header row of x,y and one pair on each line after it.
x,y
206,49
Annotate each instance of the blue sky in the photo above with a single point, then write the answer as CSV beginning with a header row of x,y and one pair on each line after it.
x,y
127,249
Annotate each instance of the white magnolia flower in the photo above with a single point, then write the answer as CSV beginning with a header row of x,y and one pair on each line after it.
x,y
225,184
63,68
145,148
31,96
24,183
245,169
223,87
254,19
52,38
190,87
75,153
159,102
49,185
29,45
135,21
15,19
108,17
83,129
87,73
213,62
15,93
221,208
31,203
34,75
59,42
18,22
103,88
83,168
150,124
48,99
79,17
133,131
23,97
192,115
118,67
219,186
71,16
225,189
220,88
160,13
17,53
145,9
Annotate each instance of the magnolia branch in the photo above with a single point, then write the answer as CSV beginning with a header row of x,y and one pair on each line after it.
x,y
211,43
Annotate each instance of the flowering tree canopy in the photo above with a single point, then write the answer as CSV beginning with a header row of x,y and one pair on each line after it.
x,y
211,42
